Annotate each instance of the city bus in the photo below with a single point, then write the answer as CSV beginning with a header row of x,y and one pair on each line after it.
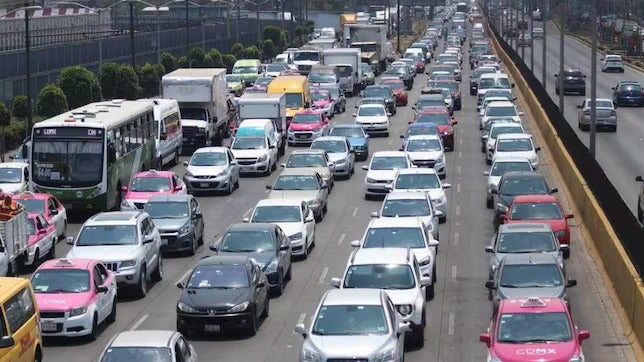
x,y
85,155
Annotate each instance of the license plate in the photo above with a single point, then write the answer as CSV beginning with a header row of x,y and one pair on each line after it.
x,y
212,328
371,127
204,184
300,136
247,168
48,326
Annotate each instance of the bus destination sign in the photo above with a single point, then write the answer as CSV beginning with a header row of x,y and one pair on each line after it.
x,y
68,132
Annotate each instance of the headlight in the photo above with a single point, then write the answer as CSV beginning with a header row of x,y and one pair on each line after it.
x,y
125,203
501,207
128,264
317,129
222,173
370,180
262,158
201,129
577,359
404,309
188,174
239,307
439,201
186,308
77,311
561,233
340,162
309,355
387,354
313,202
424,261
440,160
296,236
184,229
272,266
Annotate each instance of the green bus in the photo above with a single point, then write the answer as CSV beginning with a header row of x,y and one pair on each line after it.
x,y
85,155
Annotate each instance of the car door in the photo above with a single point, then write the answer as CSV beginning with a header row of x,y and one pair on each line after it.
x,y
178,182
256,276
55,217
232,163
309,222
393,324
47,241
196,218
323,189
100,299
351,153
109,282
280,254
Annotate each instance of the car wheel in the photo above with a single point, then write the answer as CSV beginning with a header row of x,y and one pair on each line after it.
x,y
279,289
419,337
94,332
34,264
63,235
442,219
266,308
176,157
489,203
142,285
193,249
112,317
237,182
52,252
230,187
640,213
158,272
289,272
305,249
252,327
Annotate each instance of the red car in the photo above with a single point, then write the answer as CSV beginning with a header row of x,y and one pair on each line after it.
x,y
399,91
442,119
306,126
255,89
542,208
453,87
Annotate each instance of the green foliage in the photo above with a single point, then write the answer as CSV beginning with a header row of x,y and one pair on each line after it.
x,y
208,62
197,57
169,62
160,70
237,50
5,115
79,85
252,52
127,83
148,78
20,107
229,61
109,73
268,49
182,62
274,34
15,132
285,36
51,101
217,59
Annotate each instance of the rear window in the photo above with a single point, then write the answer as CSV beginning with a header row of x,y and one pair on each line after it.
x,y
574,74
630,87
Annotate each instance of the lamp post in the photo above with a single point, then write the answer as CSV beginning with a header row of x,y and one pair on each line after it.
x,y
531,36
157,10
237,23
398,26
562,25
522,30
544,64
593,82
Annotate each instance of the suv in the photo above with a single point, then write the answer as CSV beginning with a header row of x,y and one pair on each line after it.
x,y
336,335
397,271
127,242
179,220
640,201
411,204
574,81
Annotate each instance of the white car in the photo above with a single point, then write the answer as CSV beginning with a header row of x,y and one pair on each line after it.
x,y
293,216
426,151
411,204
340,153
382,171
537,33
503,109
14,177
499,128
373,118
498,169
397,271
487,101
212,169
423,179
274,69
612,63
403,233
516,145
254,154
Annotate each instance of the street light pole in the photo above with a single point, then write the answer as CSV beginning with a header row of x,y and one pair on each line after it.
x,y
523,32
398,26
202,15
544,64
237,23
132,45
28,69
531,14
158,35
562,24
593,83
188,32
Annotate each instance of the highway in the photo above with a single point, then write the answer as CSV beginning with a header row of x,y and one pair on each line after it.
x,y
457,315
618,153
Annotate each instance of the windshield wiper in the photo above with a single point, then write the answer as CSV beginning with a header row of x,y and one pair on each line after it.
x,y
510,286
56,291
242,251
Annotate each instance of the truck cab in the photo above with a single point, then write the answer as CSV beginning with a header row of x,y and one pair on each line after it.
x,y
298,93
272,106
305,58
248,70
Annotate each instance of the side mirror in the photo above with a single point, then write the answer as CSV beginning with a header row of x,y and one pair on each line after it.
x,y
401,149
403,328
554,190
486,173
490,284
335,282
571,283
285,247
375,214
330,164
178,188
579,106
413,107
639,178
101,289
582,336
283,165
355,243
439,213
489,249
425,282
512,85
485,338
503,217
454,122
309,218
570,216
354,114
269,187
300,329
494,191
434,242
402,136
124,188
7,341
180,285
565,250
148,239
185,163
260,285
447,186
556,75
213,247
324,186
271,146
246,220
389,114
365,167
537,149
612,88
42,232
520,113
53,212
163,137
69,240
233,162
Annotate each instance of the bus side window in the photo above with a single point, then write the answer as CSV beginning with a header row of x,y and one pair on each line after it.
x,y
151,131
138,127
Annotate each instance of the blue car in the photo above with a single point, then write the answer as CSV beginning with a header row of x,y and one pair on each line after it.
x,y
628,93
357,138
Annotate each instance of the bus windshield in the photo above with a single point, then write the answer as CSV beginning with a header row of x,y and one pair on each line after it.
x,y
73,163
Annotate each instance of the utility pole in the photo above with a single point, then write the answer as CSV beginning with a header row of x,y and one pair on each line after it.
x,y
544,63
531,36
28,69
398,26
188,33
132,45
593,83
237,24
562,25
523,32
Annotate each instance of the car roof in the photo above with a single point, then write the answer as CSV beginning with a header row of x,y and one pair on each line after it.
x,y
279,202
416,171
309,111
64,263
153,173
515,306
406,195
389,154
500,103
523,175
353,296
372,105
143,338
424,137
405,222
115,218
345,125
26,195
308,151
530,258
494,75
522,227
510,136
299,171
511,159
431,96
215,149
170,198
506,124
365,256
330,138
423,125
599,100
535,199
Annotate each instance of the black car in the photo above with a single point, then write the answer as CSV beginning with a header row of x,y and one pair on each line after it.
x,y
402,73
574,81
381,91
628,93
264,242
513,184
179,220
222,293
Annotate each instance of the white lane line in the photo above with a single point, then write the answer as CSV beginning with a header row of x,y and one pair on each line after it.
x,y
183,277
248,212
456,238
460,154
452,323
458,188
355,212
140,321
453,271
325,271
460,141
300,320
457,210
341,238
458,169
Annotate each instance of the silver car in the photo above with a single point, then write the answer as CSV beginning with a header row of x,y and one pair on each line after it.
x,y
499,168
606,114
179,220
212,169
302,184
142,345
340,152
354,325
411,204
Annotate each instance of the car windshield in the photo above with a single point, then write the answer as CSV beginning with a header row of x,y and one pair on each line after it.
x,y
350,320
151,184
61,162
417,181
101,235
306,160
430,103
294,100
33,205
535,211
311,55
309,118
388,163
10,175
274,214
501,83
248,143
322,78
275,67
351,132
435,118
245,70
209,159
534,328
422,129
138,354
526,242
218,276
531,276
600,104
504,130
500,168
514,145
299,182
499,93
533,186
371,112
247,241
345,70
233,78
477,73
320,96
380,276
405,208
395,85
394,237
63,280
333,90
377,92
420,145
501,111
366,68
263,80
168,209
452,86
330,146
396,70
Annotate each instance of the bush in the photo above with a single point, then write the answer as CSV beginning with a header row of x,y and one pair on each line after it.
x,y
182,62
15,133
229,61
148,78
197,57
160,70
208,62
79,85
252,52
274,34
237,50
127,83
217,59
169,62
268,49
20,107
51,101
109,74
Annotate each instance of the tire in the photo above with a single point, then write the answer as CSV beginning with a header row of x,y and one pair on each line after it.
x,y
119,197
142,286
489,203
38,356
442,219
279,290
230,188
429,292
111,318
640,212
305,249
193,250
419,337
252,326
159,164
52,252
266,308
237,183
289,272
157,276
175,160
557,91
63,236
94,333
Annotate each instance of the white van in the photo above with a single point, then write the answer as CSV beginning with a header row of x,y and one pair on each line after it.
x,y
169,137
259,127
492,81
255,146
414,53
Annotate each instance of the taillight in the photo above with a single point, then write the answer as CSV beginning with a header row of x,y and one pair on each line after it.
x,y
642,92
613,113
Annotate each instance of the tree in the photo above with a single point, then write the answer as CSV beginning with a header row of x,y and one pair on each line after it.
x,y
197,57
127,85
217,58
252,52
274,33
149,80
20,107
300,31
5,120
237,50
109,73
79,85
229,61
268,49
182,62
284,39
160,70
208,62
51,101
169,62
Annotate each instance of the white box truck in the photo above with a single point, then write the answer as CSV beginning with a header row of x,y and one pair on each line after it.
x,y
14,242
201,93
348,61
266,106
371,40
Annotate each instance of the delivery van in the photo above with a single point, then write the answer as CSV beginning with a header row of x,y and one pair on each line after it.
x,y
20,339
298,93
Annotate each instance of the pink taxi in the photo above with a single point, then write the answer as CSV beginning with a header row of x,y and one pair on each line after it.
x,y
534,329
47,205
323,101
74,296
42,236
146,184
306,126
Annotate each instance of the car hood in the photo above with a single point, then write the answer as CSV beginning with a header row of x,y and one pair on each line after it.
x,y
11,187
304,126
255,153
382,175
425,155
436,193
337,156
518,154
192,123
62,301
170,224
104,253
206,170
522,293
143,196
341,346
555,224
262,258
403,296
374,119
357,141
304,195
322,103
537,352
207,298
291,228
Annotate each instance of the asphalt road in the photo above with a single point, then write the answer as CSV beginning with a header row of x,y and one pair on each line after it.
x,y
619,154
459,312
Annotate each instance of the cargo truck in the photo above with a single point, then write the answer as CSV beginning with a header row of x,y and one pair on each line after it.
x,y
371,40
306,57
266,106
324,43
14,241
347,19
202,95
347,60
